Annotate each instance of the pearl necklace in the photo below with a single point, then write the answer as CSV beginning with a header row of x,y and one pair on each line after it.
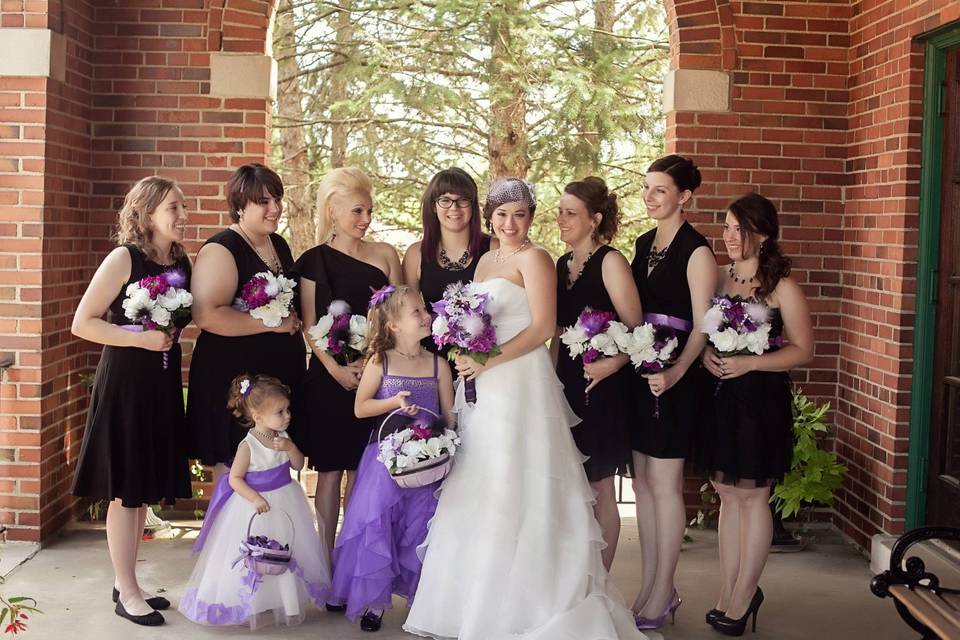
x,y
264,436
499,260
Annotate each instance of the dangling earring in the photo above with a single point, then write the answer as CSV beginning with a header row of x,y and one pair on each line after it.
x,y
593,235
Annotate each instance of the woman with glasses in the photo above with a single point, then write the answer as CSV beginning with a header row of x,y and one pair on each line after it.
x,y
452,240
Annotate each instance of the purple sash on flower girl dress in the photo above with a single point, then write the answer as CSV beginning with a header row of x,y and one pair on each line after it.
x,y
663,320
259,481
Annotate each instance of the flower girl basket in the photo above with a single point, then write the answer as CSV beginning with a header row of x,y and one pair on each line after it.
x,y
421,473
262,557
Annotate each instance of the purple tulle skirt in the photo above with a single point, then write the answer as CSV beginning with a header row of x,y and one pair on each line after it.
x,y
376,552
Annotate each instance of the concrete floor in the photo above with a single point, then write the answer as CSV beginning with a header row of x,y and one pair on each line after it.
x,y
821,593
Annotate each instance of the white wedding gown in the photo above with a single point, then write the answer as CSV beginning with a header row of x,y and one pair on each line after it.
x,y
514,549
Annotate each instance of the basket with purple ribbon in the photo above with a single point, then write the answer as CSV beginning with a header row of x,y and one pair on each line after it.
x,y
416,450
264,555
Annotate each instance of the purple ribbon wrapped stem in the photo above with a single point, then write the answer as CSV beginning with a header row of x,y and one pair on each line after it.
x,y
138,328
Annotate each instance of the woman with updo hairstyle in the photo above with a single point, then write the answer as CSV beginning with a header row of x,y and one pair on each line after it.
x,y
343,267
752,442
231,341
593,274
675,273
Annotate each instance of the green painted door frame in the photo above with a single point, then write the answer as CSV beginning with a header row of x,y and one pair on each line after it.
x,y
937,43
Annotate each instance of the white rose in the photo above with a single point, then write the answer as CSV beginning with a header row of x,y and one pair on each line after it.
x,y
725,341
575,340
667,351
160,315
643,337
620,334
358,332
712,320
403,461
320,330
184,298
604,344
440,326
169,300
759,340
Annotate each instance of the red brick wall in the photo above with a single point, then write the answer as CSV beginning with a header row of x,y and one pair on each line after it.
x,y
135,102
825,120
880,253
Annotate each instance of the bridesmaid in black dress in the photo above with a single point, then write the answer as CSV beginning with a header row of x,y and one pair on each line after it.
x,y
133,450
594,274
452,240
675,273
233,342
345,267
752,445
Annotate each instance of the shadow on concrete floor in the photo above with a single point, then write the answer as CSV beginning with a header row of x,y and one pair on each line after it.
x,y
822,593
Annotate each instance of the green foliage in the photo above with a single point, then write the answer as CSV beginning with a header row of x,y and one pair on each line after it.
x,y
815,475
405,89
709,510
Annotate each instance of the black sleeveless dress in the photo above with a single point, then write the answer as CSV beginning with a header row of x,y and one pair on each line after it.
x,y
753,436
434,279
603,433
685,406
134,444
325,427
217,360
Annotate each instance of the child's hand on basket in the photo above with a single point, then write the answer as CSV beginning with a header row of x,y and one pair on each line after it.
x,y
261,505
408,408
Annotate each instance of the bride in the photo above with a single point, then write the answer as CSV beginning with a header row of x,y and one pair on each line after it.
x,y
514,549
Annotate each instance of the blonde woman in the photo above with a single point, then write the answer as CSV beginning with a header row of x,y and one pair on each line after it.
x,y
133,446
344,267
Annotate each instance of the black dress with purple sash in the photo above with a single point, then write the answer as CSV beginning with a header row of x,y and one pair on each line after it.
x,y
134,446
668,428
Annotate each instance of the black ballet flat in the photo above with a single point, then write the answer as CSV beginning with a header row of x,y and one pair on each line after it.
x,y
713,615
336,608
157,603
371,621
152,619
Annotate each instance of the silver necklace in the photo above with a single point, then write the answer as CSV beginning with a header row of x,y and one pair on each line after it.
x,y
408,355
499,260
274,264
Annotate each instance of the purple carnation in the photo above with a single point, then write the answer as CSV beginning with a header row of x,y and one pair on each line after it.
x,y
595,322
254,293
155,285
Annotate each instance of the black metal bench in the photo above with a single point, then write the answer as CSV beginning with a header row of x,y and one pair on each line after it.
x,y
930,609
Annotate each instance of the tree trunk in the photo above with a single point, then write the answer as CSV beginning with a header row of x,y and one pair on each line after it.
x,y
586,154
507,144
294,167
338,82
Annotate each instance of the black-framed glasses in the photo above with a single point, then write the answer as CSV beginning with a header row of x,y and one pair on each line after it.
x,y
445,203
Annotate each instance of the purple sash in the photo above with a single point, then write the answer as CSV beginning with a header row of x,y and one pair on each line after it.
x,y
259,481
663,320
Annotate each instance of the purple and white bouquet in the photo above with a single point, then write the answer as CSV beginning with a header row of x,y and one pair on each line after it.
x,y
595,335
735,326
419,442
341,334
267,297
652,348
157,303
463,323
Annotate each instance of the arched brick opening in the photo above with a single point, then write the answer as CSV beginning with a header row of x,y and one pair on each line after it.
x,y
125,92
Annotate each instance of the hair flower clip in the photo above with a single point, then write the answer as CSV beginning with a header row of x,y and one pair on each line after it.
x,y
245,387
380,295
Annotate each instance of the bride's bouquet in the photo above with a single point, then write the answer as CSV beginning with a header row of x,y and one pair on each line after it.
x,y
341,334
157,303
463,323
652,348
594,336
418,454
735,326
267,297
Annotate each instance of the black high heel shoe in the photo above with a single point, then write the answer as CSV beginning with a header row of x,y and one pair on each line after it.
x,y
157,603
152,619
371,621
730,627
336,608
713,615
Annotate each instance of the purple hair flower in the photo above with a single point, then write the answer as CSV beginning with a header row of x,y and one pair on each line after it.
x,y
380,295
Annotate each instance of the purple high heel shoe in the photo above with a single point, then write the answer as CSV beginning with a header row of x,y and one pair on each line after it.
x,y
648,624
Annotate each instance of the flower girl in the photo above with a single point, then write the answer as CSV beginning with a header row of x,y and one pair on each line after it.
x,y
376,552
261,560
